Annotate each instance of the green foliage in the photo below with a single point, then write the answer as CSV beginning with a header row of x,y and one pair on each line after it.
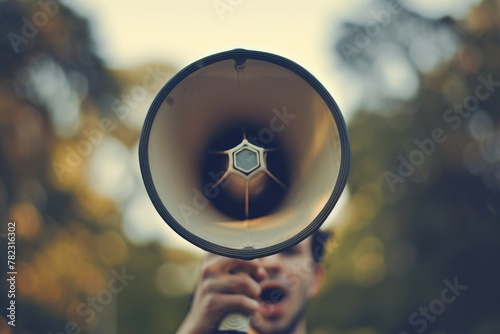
x,y
436,220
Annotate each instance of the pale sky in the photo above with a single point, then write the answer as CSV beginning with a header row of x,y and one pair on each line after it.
x,y
179,32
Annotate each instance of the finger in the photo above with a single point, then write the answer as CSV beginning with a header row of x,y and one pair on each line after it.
x,y
253,268
215,265
221,304
233,284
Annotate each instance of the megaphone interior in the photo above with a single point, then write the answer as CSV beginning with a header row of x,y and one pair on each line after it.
x,y
244,153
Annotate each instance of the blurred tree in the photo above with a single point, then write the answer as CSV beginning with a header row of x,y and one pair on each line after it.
x,y
56,108
52,85
425,177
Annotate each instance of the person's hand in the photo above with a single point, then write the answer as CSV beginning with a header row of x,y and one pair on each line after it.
x,y
225,286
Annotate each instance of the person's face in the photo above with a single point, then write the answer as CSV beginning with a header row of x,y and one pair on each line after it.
x,y
293,278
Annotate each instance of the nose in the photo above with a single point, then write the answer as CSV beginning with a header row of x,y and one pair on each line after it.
x,y
272,265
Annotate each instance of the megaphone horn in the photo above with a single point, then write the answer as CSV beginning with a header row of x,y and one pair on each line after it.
x,y
244,153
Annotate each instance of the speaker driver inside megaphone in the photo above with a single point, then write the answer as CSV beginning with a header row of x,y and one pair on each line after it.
x,y
248,175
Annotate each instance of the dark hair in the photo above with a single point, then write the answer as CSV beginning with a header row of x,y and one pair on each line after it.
x,y
318,243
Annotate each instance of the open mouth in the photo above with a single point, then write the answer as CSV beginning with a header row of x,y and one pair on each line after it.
x,y
273,296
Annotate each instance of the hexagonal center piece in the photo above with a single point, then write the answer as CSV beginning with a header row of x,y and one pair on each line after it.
x,y
246,160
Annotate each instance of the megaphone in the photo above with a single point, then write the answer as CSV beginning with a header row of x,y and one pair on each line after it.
x,y
244,153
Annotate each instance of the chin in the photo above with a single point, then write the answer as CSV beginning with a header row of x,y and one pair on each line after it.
x,y
281,322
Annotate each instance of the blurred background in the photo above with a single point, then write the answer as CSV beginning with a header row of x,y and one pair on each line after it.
x,y
418,83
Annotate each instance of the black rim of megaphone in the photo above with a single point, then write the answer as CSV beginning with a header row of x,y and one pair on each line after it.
x,y
241,55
